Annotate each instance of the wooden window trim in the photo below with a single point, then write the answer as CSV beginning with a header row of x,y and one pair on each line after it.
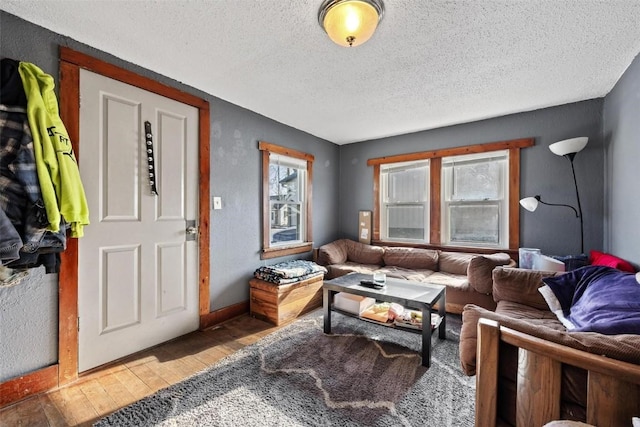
x,y
455,151
435,180
268,251
435,215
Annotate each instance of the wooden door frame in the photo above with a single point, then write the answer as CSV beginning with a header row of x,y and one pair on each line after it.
x,y
70,63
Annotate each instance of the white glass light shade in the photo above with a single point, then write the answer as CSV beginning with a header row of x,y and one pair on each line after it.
x,y
350,22
529,203
568,146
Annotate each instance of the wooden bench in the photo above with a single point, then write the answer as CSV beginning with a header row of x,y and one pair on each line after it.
x,y
613,387
280,304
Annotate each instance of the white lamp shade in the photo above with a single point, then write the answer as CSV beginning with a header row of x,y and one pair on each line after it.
x,y
568,146
529,203
350,22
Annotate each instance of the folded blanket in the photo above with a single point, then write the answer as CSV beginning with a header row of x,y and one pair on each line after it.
x,y
289,272
595,299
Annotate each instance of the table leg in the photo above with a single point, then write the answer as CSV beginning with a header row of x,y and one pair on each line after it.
x,y
442,330
326,307
426,336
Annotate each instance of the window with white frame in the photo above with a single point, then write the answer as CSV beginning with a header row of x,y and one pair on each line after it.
x,y
475,196
405,201
468,197
287,183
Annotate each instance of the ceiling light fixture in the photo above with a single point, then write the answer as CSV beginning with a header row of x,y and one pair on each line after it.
x,y
350,22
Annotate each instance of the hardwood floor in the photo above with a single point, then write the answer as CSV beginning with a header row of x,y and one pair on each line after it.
x,y
106,389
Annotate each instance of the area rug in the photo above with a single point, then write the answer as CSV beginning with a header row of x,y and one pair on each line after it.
x,y
361,375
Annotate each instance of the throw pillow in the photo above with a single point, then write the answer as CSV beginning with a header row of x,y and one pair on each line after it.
x,y
413,258
595,299
608,260
362,253
454,262
480,269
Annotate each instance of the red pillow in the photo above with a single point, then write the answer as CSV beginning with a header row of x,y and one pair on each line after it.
x,y
608,260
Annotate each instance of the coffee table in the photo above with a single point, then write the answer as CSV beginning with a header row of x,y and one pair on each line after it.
x,y
416,295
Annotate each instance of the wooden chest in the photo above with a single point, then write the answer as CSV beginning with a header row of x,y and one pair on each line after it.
x,y
284,303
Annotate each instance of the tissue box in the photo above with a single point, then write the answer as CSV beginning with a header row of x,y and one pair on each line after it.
x,y
354,304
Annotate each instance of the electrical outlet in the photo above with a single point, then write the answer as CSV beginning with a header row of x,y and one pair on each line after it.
x,y
217,202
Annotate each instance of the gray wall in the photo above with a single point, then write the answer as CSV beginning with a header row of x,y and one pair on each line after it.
x,y
552,229
29,311
622,152
29,324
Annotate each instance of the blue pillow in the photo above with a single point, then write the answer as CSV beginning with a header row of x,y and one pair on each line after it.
x,y
595,299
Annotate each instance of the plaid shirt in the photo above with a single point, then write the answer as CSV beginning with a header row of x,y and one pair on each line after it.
x,y
20,196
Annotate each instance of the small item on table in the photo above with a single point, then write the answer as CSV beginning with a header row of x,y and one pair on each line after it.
x,y
380,278
378,312
371,284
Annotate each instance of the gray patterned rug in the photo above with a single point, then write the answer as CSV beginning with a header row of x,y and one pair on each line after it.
x,y
361,375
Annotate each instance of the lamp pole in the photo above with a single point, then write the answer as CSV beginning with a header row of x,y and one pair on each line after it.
x,y
575,183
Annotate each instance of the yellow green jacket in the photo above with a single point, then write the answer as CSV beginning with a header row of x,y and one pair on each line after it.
x,y
56,164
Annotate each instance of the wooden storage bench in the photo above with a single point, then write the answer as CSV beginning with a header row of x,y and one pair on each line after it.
x,y
284,303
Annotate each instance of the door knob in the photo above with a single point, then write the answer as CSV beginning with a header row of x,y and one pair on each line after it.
x,y
191,230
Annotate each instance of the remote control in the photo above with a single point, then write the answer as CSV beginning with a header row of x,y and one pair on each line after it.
x,y
371,284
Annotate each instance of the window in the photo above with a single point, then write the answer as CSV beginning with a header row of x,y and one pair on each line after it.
x,y
405,201
286,178
463,196
475,211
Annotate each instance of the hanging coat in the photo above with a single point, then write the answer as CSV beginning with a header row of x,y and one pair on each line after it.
x,y
58,172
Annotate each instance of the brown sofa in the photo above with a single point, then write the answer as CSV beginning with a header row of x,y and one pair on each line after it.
x,y
467,276
582,360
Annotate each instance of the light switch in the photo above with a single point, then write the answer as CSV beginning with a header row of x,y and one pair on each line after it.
x,y
217,202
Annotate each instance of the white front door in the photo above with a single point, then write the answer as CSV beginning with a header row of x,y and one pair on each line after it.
x,y
138,272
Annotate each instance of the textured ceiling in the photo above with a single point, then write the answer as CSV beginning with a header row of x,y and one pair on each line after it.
x,y
431,63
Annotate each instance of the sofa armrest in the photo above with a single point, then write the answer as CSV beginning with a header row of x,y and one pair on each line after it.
x,y
520,286
613,386
332,253
479,271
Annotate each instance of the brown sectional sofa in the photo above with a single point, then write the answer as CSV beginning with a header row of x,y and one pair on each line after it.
x,y
467,276
521,308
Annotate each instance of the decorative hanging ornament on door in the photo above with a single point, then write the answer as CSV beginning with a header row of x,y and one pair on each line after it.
x,y
150,158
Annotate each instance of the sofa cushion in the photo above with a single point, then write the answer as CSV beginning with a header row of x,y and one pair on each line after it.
x,y
417,275
625,347
413,258
337,270
469,335
450,280
333,253
520,285
364,254
454,262
532,315
480,269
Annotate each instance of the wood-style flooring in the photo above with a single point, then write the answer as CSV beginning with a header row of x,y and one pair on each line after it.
x,y
107,389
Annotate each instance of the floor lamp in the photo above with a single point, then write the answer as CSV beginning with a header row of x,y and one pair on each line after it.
x,y
568,149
